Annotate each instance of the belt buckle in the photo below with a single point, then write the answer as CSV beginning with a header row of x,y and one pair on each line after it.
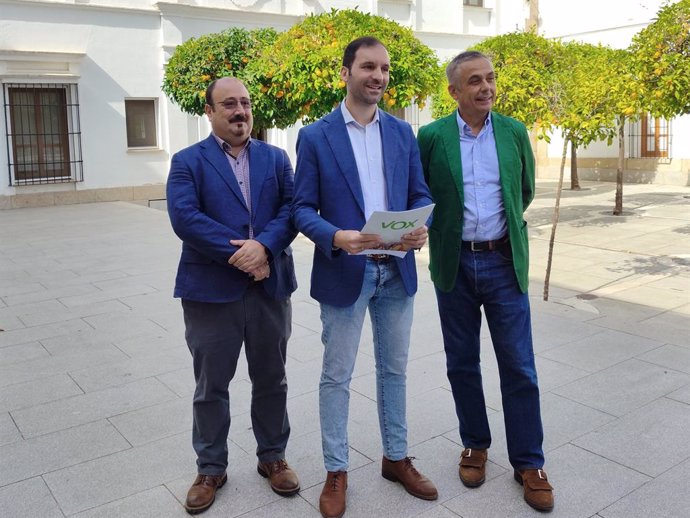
x,y
378,257
473,249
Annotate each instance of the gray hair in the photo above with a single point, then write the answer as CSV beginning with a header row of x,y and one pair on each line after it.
x,y
458,60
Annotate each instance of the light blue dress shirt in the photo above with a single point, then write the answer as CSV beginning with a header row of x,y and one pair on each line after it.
x,y
366,145
484,216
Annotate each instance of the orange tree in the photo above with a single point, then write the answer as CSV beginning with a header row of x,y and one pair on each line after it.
x,y
661,54
525,66
198,61
299,74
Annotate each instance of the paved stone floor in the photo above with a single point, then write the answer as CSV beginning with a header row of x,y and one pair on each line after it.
x,y
96,381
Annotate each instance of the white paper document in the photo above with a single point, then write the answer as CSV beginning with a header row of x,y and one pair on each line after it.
x,y
391,225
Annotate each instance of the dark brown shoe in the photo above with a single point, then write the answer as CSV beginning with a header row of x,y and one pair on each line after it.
x,y
283,479
472,469
538,491
202,494
332,500
413,481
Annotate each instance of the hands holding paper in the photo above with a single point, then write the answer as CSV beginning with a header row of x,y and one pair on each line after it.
x,y
354,242
415,239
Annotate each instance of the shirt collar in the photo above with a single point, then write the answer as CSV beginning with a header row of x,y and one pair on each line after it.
x,y
465,127
222,143
350,119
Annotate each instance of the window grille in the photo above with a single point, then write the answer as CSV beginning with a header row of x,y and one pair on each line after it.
x,y
43,133
650,137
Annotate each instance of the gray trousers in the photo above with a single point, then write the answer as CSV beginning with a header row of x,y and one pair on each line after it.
x,y
215,333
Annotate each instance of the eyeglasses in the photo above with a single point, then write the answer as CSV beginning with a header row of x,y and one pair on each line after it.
x,y
231,104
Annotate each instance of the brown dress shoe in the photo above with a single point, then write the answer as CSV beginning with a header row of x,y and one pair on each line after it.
x,y
332,500
472,469
412,480
538,491
202,494
283,479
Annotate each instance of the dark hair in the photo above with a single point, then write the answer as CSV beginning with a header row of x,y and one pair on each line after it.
x,y
355,45
458,60
209,92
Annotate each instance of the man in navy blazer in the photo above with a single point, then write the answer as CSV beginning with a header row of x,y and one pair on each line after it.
x,y
353,161
229,202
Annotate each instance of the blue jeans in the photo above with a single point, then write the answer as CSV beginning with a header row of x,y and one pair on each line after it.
x,y
488,279
390,310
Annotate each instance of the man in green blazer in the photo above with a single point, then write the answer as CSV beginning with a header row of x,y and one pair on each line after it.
x,y
479,167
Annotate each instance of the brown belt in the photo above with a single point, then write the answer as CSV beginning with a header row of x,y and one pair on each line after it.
x,y
486,246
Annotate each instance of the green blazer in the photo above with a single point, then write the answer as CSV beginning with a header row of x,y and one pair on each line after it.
x,y
439,145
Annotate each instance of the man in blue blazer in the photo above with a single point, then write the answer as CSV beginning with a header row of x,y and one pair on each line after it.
x,y
353,161
229,202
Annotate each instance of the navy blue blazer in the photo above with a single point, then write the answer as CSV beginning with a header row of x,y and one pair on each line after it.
x,y
328,198
207,210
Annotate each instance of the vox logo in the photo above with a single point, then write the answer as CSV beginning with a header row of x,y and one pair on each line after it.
x,y
399,225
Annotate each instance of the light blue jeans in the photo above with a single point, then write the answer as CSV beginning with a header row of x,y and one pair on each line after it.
x,y
390,310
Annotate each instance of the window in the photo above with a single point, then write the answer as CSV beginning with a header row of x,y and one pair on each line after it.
x,y
650,137
43,138
140,115
473,3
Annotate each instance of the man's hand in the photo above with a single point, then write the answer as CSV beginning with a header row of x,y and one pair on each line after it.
x,y
261,273
249,257
415,239
353,241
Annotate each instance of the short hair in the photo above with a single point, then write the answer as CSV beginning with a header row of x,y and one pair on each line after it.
x,y
461,58
355,45
212,86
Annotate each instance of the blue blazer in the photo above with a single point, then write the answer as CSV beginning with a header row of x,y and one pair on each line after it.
x,y
328,197
207,210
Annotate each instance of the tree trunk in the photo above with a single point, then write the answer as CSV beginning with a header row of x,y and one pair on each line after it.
x,y
556,215
532,23
574,178
618,207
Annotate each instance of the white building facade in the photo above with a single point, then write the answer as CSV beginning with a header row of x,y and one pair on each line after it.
x,y
84,116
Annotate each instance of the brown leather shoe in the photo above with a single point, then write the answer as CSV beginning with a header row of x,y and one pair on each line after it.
x,y
538,491
472,469
202,494
332,500
283,479
412,480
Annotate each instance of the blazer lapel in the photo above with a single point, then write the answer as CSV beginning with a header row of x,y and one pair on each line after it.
x,y
217,158
339,141
390,157
258,169
451,141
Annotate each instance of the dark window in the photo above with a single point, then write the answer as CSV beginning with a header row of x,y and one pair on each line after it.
x,y
44,143
474,3
141,123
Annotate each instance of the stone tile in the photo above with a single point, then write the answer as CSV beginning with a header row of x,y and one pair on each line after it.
x,y
126,473
429,415
556,331
8,431
157,422
21,353
92,406
37,333
650,440
573,473
601,350
28,394
306,348
295,507
682,394
118,373
439,512
666,496
33,457
624,387
563,421
74,290
153,503
670,356
554,374
181,381
148,344
53,365
244,491
28,499
62,313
